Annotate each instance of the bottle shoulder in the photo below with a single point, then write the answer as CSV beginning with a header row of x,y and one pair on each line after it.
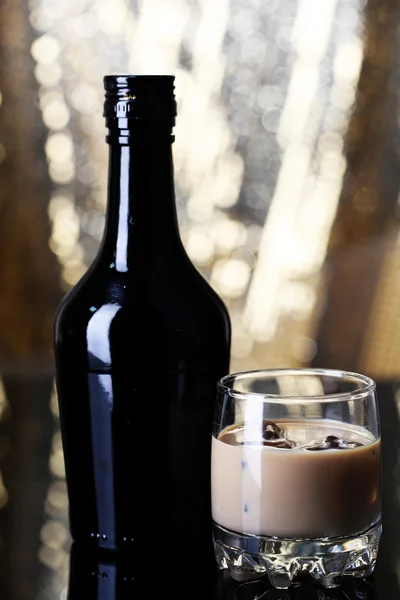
x,y
179,301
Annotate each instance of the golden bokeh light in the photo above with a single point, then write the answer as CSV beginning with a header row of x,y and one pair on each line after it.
x,y
45,49
199,246
55,115
298,119
54,534
59,148
230,277
4,404
48,74
297,112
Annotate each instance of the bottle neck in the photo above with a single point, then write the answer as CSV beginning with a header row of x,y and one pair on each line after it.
x,y
141,221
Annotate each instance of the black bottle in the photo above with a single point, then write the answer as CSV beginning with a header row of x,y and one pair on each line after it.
x,y
140,343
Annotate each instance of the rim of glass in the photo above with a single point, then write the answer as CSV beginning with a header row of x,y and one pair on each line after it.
x,y
369,385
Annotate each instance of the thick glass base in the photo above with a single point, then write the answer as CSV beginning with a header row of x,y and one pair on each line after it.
x,y
326,560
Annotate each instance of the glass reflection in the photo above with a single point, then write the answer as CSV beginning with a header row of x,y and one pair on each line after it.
x,y
133,578
352,589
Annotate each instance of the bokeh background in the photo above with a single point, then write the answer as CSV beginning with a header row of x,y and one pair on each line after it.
x,y
287,180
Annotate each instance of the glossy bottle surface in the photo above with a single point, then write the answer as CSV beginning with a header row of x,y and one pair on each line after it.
x,y
140,343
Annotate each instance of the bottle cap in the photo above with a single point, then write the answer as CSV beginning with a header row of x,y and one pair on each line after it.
x,y
130,98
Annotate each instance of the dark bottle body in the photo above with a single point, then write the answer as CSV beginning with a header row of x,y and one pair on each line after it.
x,y
140,343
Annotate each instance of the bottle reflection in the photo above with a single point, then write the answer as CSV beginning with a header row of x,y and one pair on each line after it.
x,y
140,577
136,578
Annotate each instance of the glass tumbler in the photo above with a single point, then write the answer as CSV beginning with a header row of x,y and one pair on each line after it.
x,y
296,475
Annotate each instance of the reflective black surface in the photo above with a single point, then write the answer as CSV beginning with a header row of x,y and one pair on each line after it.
x,y
122,580
35,558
